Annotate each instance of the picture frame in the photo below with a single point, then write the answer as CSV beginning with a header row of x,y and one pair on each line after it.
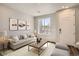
x,y
13,23
21,25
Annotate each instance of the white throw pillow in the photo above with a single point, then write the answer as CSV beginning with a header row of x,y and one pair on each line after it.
x,y
25,36
15,38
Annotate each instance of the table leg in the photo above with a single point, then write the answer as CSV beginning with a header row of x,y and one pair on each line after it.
x,y
47,44
28,47
38,52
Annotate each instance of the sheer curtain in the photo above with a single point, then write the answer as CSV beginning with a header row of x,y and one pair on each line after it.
x,y
44,25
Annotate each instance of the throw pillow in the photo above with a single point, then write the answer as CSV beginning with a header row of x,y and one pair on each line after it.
x,y
21,37
29,36
15,38
25,36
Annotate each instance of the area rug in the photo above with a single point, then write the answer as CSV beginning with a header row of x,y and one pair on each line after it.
x,y
24,51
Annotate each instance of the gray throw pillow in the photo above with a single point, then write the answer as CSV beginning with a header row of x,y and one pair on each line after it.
x,y
21,37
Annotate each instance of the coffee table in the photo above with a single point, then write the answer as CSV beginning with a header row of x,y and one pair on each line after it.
x,y
39,46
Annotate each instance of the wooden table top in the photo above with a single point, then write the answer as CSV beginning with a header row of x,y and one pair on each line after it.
x,y
37,45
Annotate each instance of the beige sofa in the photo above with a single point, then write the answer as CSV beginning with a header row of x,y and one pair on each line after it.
x,y
16,42
20,43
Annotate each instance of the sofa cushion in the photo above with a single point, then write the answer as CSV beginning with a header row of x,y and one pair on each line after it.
x,y
19,42
62,46
12,40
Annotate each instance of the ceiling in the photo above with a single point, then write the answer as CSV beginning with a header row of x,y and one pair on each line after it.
x,y
37,9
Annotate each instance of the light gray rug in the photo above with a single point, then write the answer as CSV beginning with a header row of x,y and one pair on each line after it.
x,y
24,51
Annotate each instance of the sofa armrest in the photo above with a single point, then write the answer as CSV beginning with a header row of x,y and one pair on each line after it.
x,y
60,52
62,46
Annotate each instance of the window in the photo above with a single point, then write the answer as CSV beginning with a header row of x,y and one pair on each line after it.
x,y
44,25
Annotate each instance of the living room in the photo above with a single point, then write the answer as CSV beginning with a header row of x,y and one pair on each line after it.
x,y
39,29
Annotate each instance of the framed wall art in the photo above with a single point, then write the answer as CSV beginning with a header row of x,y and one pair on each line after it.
x,y
21,25
13,24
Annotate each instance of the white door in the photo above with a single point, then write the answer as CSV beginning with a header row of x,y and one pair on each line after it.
x,y
67,26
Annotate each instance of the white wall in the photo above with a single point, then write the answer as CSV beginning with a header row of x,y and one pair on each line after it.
x,y
6,13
